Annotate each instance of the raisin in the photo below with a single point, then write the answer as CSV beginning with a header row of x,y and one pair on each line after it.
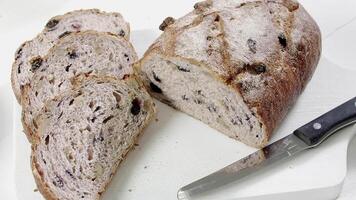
x,y
67,67
72,54
155,88
58,182
107,119
185,98
71,102
252,45
136,106
47,140
182,69
122,33
36,63
156,77
168,21
217,18
76,26
64,34
70,174
97,109
19,67
282,40
18,53
52,23
256,68
260,68
60,115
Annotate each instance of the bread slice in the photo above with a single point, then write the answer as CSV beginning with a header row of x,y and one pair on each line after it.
x,y
86,133
238,66
86,52
28,54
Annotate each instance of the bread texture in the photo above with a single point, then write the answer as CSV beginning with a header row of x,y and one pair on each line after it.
x,y
236,65
28,55
86,52
85,133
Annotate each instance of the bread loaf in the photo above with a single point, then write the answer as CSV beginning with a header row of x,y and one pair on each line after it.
x,y
85,133
86,52
29,54
236,65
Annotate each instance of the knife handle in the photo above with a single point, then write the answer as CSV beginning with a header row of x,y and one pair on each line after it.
x,y
322,127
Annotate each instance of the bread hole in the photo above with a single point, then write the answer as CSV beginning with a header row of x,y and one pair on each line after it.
x,y
60,115
68,121
47,140
212,108
107,119
136,106
64,34
117,97
209,38
198,101
90,154
67,67
185,98
76,26
36,93
34,124
155,88
127,57
93,119
180,68
252,45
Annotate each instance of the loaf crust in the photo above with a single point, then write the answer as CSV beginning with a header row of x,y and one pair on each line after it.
x,y
267,51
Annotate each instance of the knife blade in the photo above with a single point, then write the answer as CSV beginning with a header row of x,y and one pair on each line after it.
x,y
308,136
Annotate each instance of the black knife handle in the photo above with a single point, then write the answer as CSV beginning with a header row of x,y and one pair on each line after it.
x,y
322,127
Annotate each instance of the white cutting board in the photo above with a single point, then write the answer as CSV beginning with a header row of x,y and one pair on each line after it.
x,y
177,149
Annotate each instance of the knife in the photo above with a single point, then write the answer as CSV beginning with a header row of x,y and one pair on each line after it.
x,y
306,137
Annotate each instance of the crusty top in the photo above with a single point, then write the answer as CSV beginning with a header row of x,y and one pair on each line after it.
x,y
267,50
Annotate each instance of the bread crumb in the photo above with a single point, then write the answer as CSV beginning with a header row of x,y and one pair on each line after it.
x,y
35,190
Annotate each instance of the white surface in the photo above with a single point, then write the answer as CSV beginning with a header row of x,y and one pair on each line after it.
x,y
18,24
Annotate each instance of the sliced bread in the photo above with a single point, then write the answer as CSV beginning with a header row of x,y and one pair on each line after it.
x,y
86,52
28,55
85,134
238,65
